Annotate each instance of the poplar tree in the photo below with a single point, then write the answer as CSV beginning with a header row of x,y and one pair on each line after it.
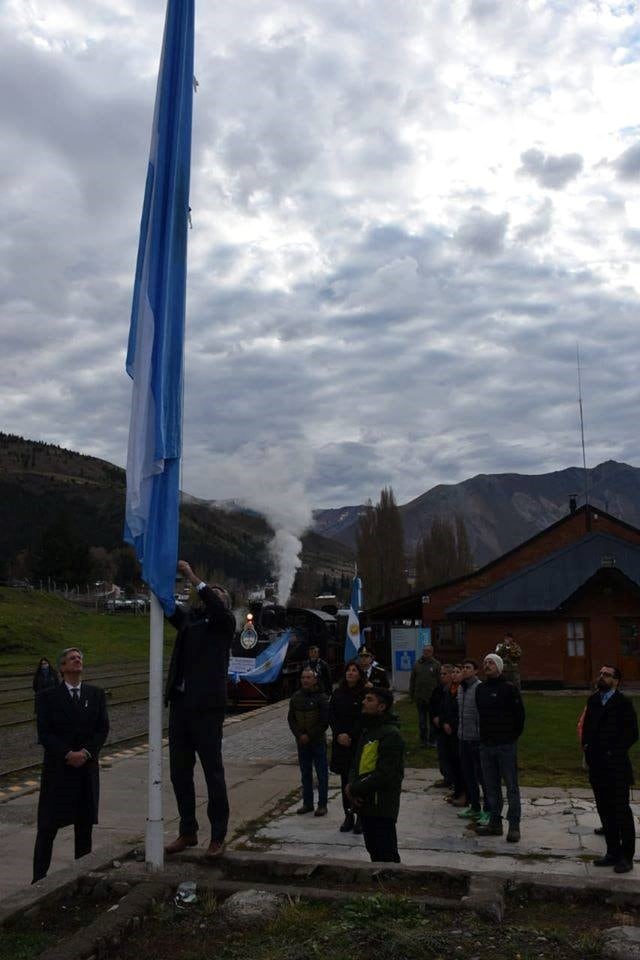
x,y
380,550
443,553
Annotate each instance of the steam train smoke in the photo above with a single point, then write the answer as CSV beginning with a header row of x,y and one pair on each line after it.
x,y
273,482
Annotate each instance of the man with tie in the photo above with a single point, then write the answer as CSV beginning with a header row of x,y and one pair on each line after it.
x,y
72,727
609,730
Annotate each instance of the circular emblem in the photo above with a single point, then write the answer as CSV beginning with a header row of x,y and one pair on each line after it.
x,y
248,638
354,630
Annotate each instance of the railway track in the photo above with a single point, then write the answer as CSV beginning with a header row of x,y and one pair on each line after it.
x,y
11,724
131,681
111,745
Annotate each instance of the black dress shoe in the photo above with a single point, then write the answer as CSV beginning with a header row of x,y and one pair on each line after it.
x,y
623,866
599,831
348,824
606,861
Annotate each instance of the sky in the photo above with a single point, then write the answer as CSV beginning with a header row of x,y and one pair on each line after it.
x,y
406,216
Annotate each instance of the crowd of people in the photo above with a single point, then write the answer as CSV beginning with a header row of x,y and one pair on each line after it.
x,y
473,724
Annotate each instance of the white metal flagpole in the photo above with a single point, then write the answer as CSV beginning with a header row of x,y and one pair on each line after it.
x,y
154,846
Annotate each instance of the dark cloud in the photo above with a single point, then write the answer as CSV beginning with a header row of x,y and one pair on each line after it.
x,y
627,165
482,232
550,171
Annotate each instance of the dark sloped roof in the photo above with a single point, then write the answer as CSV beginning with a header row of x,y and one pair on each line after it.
x,y
546,584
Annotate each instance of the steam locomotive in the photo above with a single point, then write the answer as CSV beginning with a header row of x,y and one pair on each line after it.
x,y
265,624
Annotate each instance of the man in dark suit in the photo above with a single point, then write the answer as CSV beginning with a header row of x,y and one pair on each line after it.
x,y
196,692
72,727
610,728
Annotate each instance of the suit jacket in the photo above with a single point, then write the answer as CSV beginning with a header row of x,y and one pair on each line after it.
x,y
69,794
200,657
607,734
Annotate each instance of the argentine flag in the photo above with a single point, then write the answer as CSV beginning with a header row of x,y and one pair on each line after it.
x,y
352,640
156,334
269,662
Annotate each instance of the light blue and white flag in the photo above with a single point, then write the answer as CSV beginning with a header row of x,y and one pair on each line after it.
x,y
269,662
352,639
156,335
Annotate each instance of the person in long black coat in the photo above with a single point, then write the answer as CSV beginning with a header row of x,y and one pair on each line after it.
x,y
345,719
45,676
610,728
72,727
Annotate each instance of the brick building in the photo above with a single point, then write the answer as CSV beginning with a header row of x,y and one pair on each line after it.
x,y
570,596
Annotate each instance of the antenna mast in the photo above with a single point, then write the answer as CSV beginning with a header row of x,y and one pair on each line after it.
x,y
584,456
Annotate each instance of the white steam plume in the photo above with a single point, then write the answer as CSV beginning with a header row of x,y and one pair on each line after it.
x,y
273,480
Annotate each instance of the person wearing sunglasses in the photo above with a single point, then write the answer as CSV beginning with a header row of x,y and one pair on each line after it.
x,y
610,729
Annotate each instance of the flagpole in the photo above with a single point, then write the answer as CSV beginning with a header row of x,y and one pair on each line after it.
x,y
154,843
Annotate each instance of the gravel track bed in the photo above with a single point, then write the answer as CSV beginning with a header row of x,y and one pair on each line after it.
x,y
18,747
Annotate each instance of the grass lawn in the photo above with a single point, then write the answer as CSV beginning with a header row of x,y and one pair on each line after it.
x,y
34,624
548,751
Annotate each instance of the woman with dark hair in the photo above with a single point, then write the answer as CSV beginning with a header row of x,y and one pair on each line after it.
x,y
346,714
45,676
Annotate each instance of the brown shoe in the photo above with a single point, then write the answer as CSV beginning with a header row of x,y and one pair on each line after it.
x,y
215,850
181,843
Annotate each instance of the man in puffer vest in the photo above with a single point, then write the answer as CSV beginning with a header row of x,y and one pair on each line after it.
x,y
375,780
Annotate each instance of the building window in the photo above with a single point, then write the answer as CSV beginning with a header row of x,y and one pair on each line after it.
x,y
575,638
629,638
450,633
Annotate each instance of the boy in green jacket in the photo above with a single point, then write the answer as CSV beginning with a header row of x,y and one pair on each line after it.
x,y
375,780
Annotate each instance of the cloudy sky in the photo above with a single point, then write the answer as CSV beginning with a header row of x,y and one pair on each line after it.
x,y
405,216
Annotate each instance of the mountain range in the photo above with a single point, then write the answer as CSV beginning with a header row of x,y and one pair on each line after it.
x,y
501,510
39,482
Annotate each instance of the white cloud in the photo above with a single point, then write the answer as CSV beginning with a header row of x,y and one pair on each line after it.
x,y
375,291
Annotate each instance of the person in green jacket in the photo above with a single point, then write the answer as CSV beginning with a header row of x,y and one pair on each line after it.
x,y
425,678
375,779
308,720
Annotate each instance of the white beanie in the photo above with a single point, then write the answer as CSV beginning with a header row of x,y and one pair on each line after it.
x,y
499,662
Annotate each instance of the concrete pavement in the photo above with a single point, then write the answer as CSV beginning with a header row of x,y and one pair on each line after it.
x,y
260,759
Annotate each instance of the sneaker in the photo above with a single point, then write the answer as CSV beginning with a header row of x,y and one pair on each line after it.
x,y
513,834
469,813
304,809
483,819
320,812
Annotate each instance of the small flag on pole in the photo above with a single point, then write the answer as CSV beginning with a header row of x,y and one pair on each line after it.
x,y
352,640
156,335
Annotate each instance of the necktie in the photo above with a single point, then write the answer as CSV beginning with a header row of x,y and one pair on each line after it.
x,y
75,695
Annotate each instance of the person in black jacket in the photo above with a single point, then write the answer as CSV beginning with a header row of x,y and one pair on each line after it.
x,y
320,668
345,717
196,692
374,674
437,706
500,723
610,728
72,727
45,676
308,719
